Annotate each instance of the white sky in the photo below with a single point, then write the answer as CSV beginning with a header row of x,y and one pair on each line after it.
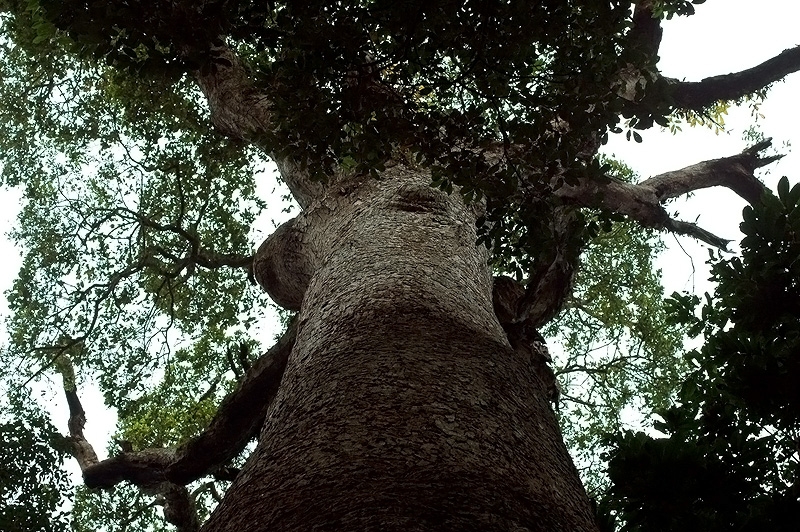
x,y
724,36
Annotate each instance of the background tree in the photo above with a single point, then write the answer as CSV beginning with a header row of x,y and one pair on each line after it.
x,y
33,483
137,221
728,458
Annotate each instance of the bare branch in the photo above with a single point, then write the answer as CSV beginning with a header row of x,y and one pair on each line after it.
x,y
735,173
643,202
699,94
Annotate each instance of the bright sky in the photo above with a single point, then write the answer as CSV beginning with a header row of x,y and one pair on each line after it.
x,y
724,36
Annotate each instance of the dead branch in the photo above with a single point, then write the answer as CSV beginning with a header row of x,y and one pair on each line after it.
x,y
643,201
696,95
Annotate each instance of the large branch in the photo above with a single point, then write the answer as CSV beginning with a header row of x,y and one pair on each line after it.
x,y
735,173
646,31
696,95
240,111
643,201
179,508
239,417
550,282
237,421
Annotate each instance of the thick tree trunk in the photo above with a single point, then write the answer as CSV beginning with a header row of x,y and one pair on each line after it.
x,y
403,406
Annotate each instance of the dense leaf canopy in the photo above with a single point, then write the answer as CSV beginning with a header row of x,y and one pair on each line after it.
x,y
728,457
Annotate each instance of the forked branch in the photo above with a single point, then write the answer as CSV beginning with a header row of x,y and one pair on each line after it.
x,y
240,111
165,471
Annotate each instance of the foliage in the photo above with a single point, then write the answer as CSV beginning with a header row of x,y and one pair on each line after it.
x,y
124,508
33,483
620,352
130,198
729,456
127,197
352,83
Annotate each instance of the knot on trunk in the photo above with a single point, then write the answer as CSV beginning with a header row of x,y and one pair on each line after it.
x,y
281,266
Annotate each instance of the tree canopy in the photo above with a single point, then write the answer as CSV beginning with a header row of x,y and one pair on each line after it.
x,y
137,131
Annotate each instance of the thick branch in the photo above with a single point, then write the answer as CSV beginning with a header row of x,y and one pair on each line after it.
x,y
551,282
239,417
142,468
643,201
180,509
240,111
699,94
139,468
735,173
646,32
237,421
79,447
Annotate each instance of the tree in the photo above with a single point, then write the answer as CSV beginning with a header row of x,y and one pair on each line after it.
x,y
411,390
728,460
32,483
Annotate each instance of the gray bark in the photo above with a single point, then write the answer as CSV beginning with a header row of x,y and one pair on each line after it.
x,y
403,405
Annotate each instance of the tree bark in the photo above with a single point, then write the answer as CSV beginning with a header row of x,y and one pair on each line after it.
x,y
403,405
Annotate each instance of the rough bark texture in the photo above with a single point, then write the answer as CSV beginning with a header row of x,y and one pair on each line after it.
x,y
403,406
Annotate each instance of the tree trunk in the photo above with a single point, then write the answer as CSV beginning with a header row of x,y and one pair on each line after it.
x,y
403,406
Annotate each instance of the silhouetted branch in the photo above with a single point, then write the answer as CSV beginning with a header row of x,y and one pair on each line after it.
x,y
696,95
643,201
646,32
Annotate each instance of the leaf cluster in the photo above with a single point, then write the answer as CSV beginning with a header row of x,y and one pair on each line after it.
x,y
728,459
352,84
33,485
